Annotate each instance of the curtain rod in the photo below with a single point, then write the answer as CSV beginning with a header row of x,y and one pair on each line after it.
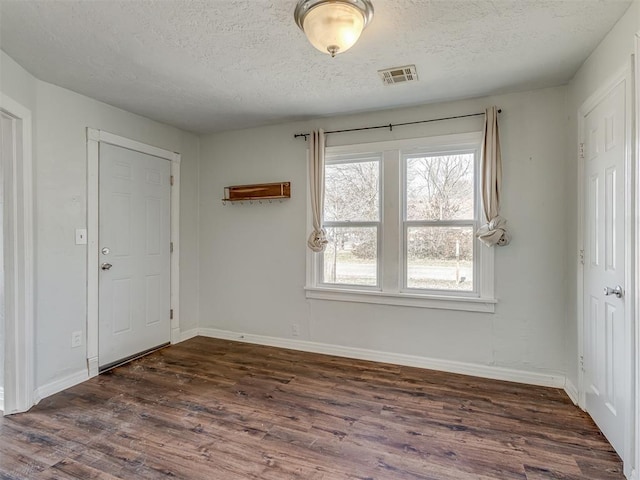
x,y
391,125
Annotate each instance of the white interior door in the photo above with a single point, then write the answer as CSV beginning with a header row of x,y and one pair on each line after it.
x,y
605,364
134,250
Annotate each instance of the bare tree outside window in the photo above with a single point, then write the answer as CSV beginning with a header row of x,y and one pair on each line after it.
x,y
351,219
439,221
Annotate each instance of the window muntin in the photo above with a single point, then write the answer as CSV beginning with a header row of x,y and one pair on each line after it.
x,y
352,222
440,210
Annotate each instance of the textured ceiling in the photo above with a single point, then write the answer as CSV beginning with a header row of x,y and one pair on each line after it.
x,y
220,64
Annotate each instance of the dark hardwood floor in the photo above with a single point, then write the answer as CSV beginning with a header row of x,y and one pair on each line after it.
x,y
213,409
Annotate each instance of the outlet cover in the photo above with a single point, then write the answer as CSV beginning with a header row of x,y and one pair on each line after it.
x,y
295,330
76,339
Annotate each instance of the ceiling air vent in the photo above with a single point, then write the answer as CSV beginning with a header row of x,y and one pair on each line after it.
x,y
391,76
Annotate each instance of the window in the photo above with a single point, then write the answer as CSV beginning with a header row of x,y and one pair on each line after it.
x,y
439,221
352,221
400,219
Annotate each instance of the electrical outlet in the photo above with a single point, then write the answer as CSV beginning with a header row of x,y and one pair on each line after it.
x,y
76,339
295,330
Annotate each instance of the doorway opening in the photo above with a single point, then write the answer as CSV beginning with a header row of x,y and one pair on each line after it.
x,y
7,125
16,297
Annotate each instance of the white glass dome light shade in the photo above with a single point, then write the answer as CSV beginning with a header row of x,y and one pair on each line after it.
x,y
333,27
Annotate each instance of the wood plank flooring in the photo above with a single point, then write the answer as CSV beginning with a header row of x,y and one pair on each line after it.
x,y
214,409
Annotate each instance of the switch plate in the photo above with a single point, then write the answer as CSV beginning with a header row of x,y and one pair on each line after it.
x,y
81,236
76,339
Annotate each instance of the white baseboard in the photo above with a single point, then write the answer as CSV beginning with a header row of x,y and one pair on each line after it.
x,y
187,334
58,385
571,391
556,380
2,399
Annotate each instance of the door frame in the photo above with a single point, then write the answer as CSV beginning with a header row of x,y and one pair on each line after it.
x,y
94,138
635,474
624,76
19,370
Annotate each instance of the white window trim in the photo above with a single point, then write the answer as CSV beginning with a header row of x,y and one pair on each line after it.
x,y
390,278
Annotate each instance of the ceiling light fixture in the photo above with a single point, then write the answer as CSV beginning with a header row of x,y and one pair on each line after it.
x,y
333,26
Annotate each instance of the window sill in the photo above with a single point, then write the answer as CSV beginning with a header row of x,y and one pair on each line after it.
x,y
468,304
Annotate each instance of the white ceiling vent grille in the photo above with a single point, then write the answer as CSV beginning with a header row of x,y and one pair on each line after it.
x,y
391,76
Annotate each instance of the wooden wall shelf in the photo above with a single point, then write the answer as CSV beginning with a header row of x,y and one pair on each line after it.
x,y
258,191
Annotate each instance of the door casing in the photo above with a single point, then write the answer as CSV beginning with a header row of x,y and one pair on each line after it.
x,y
635,441
623,76
19,364
94,138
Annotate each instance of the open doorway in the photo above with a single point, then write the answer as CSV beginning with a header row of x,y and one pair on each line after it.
x,y
6,149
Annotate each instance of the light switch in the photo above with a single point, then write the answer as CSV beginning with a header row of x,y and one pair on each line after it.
x,y
81,236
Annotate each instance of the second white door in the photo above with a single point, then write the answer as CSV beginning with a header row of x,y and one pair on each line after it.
x,y
606,365
134,250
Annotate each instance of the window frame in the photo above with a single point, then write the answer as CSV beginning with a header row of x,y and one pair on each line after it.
x,y
391,288
473,223
349,159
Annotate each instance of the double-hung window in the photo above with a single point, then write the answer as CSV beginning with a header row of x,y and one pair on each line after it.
x,y
439,220
352,221
400,219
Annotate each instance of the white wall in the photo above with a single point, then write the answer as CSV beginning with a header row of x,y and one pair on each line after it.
x,y
613,53
253,256
60,121
17,83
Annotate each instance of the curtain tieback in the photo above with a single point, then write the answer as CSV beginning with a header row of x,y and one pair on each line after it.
x,y
494,232
317,240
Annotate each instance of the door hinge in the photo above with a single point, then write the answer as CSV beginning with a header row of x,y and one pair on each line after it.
x,y
171,180
171,314
582,363
171,247
580,151
582,257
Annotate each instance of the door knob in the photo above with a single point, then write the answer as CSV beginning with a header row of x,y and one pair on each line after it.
x,y
617,291
106,266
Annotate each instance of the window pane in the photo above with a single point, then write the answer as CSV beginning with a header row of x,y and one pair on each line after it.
x,y
351,257
440,258
352,191
440,187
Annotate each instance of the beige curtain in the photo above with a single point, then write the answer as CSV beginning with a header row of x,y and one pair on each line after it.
x,y
317,240
494,232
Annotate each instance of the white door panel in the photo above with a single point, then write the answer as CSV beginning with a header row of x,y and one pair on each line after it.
x,y
134,239
604,322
